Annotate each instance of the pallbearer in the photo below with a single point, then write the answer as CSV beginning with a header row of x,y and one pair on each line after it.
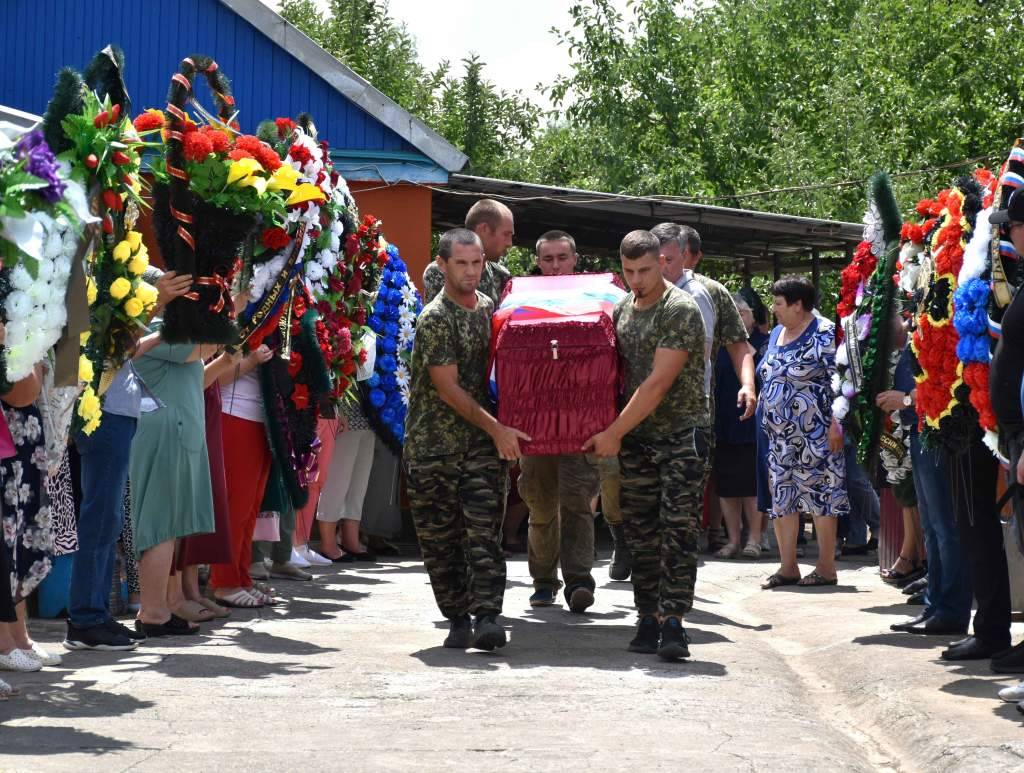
x,y
455,450
662,439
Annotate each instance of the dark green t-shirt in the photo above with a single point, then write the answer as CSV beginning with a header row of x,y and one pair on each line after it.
x,y
492,281
674,322
447,334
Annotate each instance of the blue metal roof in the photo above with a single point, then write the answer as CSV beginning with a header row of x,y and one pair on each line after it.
x,y
38,37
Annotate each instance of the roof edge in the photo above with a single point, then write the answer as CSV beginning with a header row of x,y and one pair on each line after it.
x,y
349,83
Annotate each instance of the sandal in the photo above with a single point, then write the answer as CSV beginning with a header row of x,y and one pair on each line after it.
x,y
892,575
815,580
727,550
213,606
240,599
194,612
265,598
7,691
751,550
173,626
778,580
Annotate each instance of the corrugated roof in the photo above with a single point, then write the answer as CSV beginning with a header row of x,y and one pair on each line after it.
x,y
598,220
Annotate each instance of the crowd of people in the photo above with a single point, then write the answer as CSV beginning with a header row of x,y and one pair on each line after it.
x,y
723,422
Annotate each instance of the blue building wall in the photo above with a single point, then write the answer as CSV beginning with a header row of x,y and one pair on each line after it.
x,y
38,37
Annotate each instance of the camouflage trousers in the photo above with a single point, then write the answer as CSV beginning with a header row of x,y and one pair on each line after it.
x,y
558,490
609,469
457,502
662,489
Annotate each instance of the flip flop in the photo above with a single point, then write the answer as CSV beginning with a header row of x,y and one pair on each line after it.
x,y
815,580
240,599
778,580
194,612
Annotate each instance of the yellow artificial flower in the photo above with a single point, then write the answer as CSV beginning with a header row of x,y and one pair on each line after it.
x,y
123,251
133,307
284,179
134,239
84,337
139,263
119,288
89,409
305,192
90,426
90,290
252,181
242,168
146,293
85,369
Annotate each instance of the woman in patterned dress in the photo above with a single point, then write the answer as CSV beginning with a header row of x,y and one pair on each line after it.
x,y
806,471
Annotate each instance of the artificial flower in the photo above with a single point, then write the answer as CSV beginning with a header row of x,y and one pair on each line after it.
x,y
122,251
146,293
119,288
284,178
305,192
196,146
275,238
139,263
149,120
243,168
133,307
134,239
85,369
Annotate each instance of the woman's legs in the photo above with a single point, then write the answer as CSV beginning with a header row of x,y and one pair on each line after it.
x,y
350,536
154,569
755,520
732,514
190,583
825,529
19,629
786,529
175,592
7,642
329,539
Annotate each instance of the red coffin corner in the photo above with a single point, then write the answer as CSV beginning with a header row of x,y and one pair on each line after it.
x,y
556,367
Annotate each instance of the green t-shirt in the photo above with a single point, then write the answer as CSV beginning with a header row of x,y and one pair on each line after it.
x,y
492,281
446,334
674,322
729,327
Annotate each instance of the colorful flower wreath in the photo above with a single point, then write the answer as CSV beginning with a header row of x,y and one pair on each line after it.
x,y
395,310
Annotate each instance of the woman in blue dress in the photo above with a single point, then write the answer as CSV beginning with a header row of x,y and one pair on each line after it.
x,y
806,471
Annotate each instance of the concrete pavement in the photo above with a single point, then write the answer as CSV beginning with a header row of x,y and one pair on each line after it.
x,y
350,675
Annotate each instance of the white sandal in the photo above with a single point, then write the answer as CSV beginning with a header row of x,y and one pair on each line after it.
x,y
6,691
240,599
752,550
16,660
727,551
44,657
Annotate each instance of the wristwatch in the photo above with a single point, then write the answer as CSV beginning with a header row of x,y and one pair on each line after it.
x,y
907,401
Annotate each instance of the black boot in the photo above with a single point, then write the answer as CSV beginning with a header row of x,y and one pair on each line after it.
x,y
622,560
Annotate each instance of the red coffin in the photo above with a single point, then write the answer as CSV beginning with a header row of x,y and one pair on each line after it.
x,y
556,368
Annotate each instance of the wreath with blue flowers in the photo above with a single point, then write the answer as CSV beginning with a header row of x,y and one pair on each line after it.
x,y
386,392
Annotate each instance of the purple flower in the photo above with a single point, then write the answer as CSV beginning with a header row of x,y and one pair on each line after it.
x,y
40,162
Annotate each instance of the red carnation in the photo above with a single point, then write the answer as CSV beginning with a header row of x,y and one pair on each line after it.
x,y
348,368
268,157
285,126
197,146
221,143
362,356
147,122
238,155
369,220
360,316
300,153
355,284
275,239
248,143
299,307
300,396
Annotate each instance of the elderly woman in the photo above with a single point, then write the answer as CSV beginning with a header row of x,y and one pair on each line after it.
x,y
806,471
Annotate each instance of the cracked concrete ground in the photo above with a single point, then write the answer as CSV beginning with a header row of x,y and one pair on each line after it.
x,y
350,675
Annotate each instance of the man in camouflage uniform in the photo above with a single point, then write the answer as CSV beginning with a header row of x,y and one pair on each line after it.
x,y
661,437
558,488
454,450
492,222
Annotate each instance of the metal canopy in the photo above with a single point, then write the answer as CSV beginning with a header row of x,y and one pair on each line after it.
x,y
598,221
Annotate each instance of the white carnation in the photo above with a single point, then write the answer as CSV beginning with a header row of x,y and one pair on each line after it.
x,y
45,270
335,240
56,316
16,332
62,267
39,293
314,271
18,305
54,245
20,278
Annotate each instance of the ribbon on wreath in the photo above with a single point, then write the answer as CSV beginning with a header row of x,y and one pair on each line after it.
x,y
262,311
307,466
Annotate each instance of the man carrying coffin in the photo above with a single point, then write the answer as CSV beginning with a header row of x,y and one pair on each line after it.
x,y
661,436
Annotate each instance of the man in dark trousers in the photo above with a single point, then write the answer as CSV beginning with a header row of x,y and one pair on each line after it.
x,y
455,450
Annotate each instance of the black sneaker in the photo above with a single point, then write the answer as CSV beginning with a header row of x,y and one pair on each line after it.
x,y
543,597
97,637
1009,662
646,639
674,641
460,634
488,634
580,599
124,630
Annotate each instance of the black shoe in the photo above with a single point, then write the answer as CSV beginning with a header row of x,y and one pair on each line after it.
x,y
488,634
919,572
647,636
580,599
916,586
97,637
674,641
1009,662
365,555
902,627
543,597
460,634
175,626
971,648
916,600
935,627
124,630
622,559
